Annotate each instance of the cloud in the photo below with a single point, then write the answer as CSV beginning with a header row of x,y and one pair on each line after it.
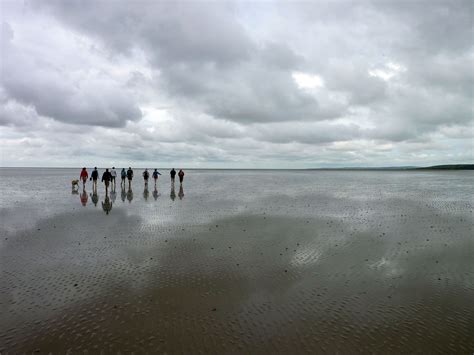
x,y
238,84
45,81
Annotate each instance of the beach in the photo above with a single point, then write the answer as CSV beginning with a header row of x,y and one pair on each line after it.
x,y
238,261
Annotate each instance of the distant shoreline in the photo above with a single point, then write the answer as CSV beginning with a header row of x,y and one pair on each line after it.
x,y
387,168
404,168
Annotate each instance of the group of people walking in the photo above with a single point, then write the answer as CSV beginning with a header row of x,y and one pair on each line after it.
x,y
109,177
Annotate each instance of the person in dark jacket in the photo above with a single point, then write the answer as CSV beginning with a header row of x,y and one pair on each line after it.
x,y
146,175
172,174
94,177
106,177
129,177
155,176
181,176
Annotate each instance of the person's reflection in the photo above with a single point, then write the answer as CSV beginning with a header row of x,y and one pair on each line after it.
x,y
95,197
130,195
107,204
172,193
155,194
113,194
84,197
145,192
123,194
181,192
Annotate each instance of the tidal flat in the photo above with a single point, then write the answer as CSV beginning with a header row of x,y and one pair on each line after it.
x,y
238,262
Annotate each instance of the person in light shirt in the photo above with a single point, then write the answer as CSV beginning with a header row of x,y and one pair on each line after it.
x,y
113,173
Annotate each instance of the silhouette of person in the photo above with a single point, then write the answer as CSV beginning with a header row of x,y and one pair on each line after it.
x,y
181,192
106,177
84,197
155,194
172,175
129,195
172,193
181,176
129,177
94,177
94,197
123,175
107,204
155,176
146,175
113,175
84,176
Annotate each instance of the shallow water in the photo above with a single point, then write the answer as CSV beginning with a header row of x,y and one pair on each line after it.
x,y
239,261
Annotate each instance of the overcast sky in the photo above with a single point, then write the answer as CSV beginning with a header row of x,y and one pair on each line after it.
x,y
236,84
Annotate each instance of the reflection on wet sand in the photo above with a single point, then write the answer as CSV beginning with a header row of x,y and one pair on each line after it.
x,y
113,194
130,195
94,197
123,194
107,204
375,265
84,197
181,192
173,192
292,290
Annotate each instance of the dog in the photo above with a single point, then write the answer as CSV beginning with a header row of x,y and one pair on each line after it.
x,y
75,183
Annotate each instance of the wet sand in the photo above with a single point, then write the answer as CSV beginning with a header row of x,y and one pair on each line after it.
x,y
364,268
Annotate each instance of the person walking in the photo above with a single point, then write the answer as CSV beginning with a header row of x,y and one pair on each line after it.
x,y
172,174
123,175
129,177
113,173
94,177
106,177
84,176
146,175
181,176
155,176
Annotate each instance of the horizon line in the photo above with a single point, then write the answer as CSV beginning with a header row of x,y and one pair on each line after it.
x,y
393,167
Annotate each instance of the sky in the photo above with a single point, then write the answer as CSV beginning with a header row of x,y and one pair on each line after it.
x,y
236,84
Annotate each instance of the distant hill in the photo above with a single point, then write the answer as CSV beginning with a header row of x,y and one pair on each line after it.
x,y
434,167
450,167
